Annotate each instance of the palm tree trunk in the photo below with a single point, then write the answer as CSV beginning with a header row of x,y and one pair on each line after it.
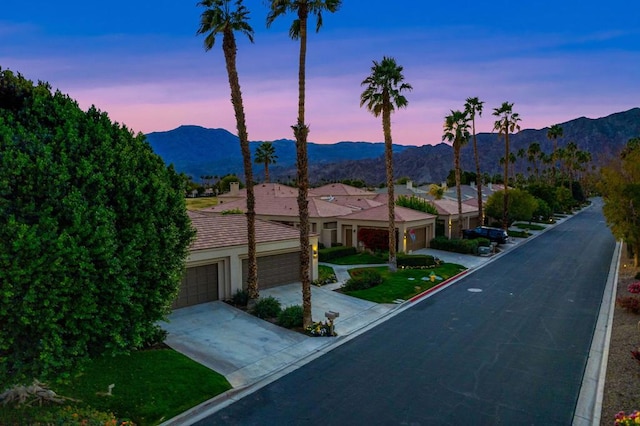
x,y
505,206
456,160
266,172
478,175
229,48
391,201
301,131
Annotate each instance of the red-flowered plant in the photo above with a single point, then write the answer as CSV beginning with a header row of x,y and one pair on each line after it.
x,y
634,287
627,419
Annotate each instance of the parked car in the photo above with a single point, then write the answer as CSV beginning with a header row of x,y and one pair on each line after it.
x,y
495,235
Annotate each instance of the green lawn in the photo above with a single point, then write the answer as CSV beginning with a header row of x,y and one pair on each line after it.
x,y
360,259
150,387
201,202
529,226
400,285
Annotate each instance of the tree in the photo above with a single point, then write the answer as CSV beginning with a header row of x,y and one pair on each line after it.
x,y
506,123
266,154
456,131
522,205
437,191
553,134
382,95
533,156
472,107
298,31
93,234
220,18
620,189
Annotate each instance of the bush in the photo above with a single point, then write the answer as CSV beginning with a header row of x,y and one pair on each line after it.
x,y
455,245
240,298
630,304
267,307
374,239
86,416
155,338
326,275
328,254
416,261
291,317
634,287
363,279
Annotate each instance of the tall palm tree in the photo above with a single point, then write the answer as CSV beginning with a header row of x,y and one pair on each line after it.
x,y
382,95
298,31
456,131
474,106
553,134
533,155
221,18
506,123
266,154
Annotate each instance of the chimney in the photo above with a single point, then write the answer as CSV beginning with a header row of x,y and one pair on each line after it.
x,y
234,188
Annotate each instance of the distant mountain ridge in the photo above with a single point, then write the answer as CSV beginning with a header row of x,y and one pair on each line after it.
x,y
197,151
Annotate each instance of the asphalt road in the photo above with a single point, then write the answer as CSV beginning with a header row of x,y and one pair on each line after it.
x,y
506,344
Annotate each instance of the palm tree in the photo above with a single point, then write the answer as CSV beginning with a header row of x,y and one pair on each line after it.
x,y
266,154
533,155
437,191
220,18
553,134
473,106
506,123
383,94
456,131
298,31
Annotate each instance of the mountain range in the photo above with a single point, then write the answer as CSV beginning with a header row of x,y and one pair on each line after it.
x,y
198,151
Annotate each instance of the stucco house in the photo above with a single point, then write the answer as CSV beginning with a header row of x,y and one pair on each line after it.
x,y
216,266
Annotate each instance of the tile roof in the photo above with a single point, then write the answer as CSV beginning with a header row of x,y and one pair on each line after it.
x,y
269,190
231,230
381,213
449,207
286,206
335,189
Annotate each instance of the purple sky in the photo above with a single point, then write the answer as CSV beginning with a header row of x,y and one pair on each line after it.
x,y
143,64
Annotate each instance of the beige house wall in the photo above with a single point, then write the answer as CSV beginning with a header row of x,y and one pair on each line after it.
x,y
229,260
353,226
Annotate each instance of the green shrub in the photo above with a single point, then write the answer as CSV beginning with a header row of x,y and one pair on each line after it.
x,y
267,307
155,338
363,279
518,234
291,317
326,275
78,416
455,245
328,254
416,261
240,298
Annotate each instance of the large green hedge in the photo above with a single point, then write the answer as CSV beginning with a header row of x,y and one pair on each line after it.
x,y
93,233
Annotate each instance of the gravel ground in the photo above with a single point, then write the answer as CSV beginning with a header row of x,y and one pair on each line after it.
x,y
622,382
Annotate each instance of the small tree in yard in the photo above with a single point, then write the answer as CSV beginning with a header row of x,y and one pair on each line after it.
x,y
521,206
621,192
93,234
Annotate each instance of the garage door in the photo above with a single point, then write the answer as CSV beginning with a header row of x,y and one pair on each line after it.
x,y
420,241
199,285
275,270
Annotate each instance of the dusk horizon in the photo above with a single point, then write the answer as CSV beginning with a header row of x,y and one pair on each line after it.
x,y
146,67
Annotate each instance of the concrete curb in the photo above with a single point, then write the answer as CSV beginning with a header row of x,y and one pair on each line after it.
x,y
589,405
